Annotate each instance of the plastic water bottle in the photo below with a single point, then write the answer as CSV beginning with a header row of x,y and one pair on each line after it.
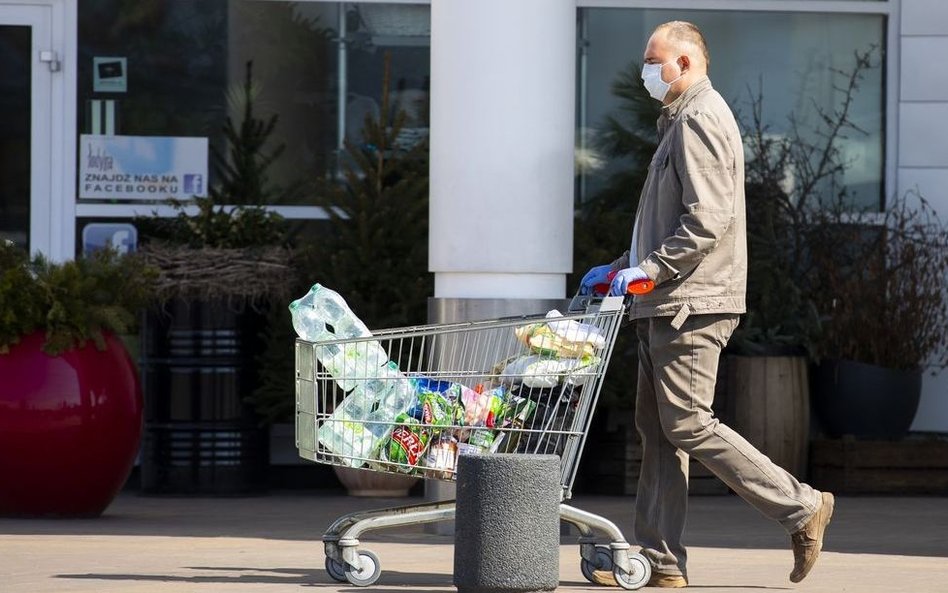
x,y
352,363
364,420
323,315
347,432
377,389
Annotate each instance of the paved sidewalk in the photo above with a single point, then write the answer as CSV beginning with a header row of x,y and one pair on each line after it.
x,y
271,544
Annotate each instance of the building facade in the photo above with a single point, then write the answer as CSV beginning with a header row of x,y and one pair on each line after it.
x,y
516,88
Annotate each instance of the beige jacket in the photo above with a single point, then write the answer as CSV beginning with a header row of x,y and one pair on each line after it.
x,y
690,230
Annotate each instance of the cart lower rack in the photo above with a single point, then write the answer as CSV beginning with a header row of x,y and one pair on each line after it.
x,y
411,400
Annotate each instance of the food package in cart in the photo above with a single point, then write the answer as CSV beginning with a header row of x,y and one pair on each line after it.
x,y
442,457
405,450
566,339
435,401
543,372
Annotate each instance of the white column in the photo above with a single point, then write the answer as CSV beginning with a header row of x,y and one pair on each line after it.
x,y
502,121
923,161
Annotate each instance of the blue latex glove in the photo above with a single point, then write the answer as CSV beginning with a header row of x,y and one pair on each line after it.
x,y
625,277
595,275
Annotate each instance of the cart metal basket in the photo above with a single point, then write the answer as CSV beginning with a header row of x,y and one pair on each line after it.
x,y
411,400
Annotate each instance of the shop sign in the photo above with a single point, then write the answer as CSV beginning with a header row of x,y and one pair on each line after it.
x,y
120,236
142,167
109,75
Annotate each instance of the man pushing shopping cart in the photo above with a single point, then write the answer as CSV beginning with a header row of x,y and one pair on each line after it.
x,y
689,239
412,400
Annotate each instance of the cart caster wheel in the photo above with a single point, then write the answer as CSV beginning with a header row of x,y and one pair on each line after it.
x,y
371,570
603,562
336,570
638,577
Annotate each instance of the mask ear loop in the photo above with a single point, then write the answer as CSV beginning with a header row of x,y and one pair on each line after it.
x,y
681,71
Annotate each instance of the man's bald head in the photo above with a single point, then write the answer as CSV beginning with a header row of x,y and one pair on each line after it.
x,y
679,48
686,38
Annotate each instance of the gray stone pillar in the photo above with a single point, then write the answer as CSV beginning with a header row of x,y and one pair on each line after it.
x,y
507,535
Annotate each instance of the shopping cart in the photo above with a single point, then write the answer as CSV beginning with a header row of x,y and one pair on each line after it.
x,y
524,385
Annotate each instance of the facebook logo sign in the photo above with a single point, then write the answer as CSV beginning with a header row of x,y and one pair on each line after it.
x,y
194,184
122,237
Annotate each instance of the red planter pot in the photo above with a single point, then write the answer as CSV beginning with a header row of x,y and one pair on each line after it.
x,y
70,427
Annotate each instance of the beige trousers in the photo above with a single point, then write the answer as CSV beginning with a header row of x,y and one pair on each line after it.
x,y
677,372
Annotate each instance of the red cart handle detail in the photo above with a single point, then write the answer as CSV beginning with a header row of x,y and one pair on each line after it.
x,y
638,287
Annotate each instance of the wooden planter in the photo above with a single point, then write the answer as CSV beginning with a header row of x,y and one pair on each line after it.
x,y
766,399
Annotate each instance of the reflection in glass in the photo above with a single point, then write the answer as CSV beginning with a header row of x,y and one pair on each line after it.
x,y
15,98
318,66
789,58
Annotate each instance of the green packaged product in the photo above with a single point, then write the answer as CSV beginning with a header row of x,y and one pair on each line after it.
x,y
407,444
482,437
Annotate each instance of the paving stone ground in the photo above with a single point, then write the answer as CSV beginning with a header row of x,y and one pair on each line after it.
x,y
271,544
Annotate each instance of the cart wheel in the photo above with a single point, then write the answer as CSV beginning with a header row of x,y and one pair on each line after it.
x,y
638,577
336,570
603,561
371,570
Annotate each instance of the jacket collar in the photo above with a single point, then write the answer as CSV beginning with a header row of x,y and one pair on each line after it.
x,y
672,110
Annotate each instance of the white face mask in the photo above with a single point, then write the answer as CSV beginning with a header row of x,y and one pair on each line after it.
x,y
652,78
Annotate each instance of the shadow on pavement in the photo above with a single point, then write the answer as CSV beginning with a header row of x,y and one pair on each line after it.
x,y
891,526
271,576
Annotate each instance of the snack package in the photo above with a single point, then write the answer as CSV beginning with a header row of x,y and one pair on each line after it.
x,y
407,444
480,409
569,338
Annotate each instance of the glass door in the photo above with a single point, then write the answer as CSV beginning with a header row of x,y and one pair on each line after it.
x,y
26,65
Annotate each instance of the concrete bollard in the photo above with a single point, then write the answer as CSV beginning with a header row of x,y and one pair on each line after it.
x,y
507,536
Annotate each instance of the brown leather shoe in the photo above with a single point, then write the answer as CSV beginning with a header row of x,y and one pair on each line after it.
x,y
668,581
808,542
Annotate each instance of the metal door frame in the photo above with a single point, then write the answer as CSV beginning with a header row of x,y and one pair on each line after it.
x,y
53,121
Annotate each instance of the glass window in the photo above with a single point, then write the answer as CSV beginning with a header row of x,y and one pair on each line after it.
x,y
15,150
789,58
318,66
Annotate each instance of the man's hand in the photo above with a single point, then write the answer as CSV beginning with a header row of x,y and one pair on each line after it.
x,y
596,275
625,277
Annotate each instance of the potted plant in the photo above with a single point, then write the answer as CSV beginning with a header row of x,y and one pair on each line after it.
x,y
222,265
70,402
840,285
883,283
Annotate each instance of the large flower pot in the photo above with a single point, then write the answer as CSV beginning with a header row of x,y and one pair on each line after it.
x,y
361,482
767,401
70,427
863,400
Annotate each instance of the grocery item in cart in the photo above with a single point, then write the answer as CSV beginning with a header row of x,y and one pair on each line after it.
x,y
543,371
363,420
480,408
433,407
517,413
322,315
441,459
406,447
566,338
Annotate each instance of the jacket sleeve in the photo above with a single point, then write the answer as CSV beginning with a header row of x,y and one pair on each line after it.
x,y
705,163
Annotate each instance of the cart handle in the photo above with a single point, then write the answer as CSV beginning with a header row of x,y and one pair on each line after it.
x,y
639,287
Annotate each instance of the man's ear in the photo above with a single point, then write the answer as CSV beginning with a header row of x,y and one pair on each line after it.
x,y
684,62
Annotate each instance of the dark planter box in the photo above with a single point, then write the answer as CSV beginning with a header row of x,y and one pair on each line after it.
x,y
201,437
864,400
